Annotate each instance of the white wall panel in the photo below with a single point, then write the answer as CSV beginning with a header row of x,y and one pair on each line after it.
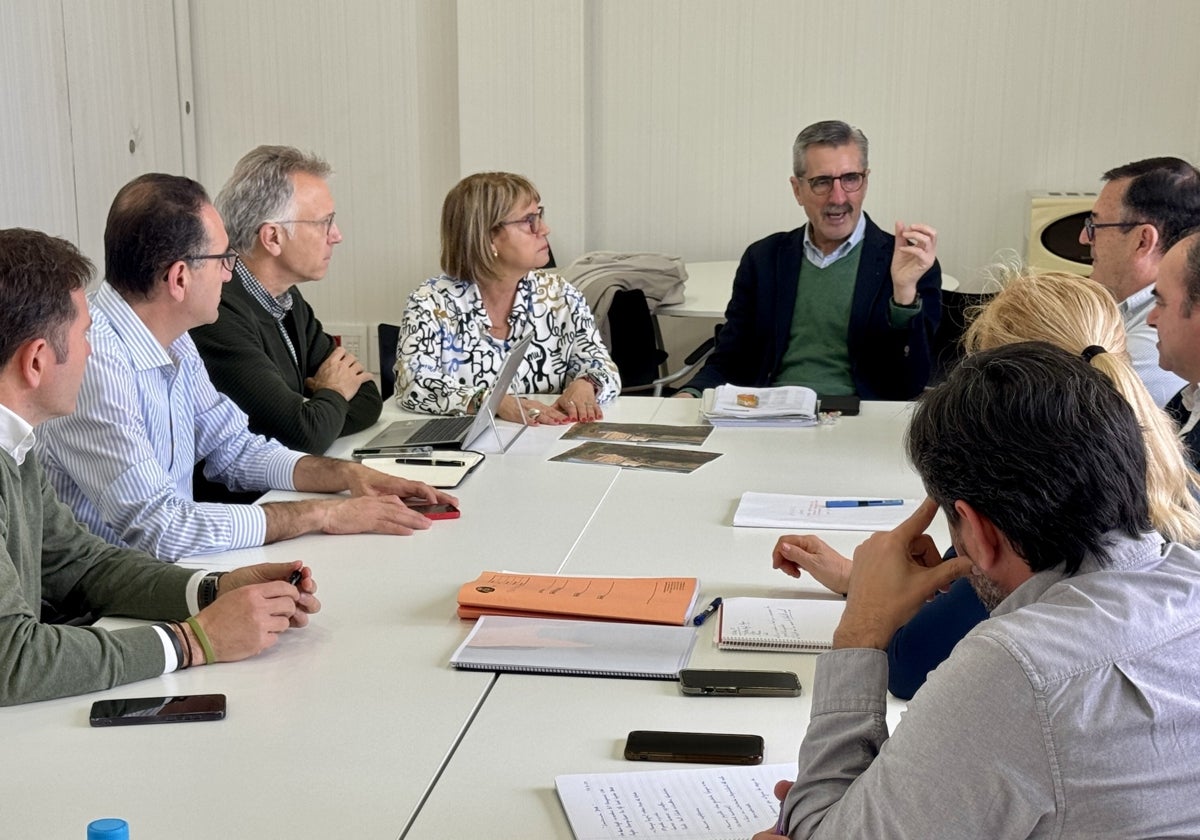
x,y
667,125
368,84
36,180
521,106
125,102
968,106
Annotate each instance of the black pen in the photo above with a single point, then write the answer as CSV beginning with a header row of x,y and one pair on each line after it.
x,y
294,577
431,462
709,610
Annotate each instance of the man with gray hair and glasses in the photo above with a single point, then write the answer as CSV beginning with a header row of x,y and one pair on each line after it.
x,y
833,305
267,351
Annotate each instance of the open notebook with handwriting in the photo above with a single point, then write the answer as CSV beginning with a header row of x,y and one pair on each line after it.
x,y
779,624
710,803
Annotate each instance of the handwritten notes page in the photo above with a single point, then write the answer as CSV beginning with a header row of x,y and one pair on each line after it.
x,y
780,510
651,600
780,624
711,803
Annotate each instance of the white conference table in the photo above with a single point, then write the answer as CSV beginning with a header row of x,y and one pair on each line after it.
x,y
710,284
357,727
500,779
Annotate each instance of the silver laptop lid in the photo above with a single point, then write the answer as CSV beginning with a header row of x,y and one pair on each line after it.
x,y
508,371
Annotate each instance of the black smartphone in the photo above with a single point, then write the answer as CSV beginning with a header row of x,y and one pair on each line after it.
x,y
700,747
130,711
434,511
847,404
720,682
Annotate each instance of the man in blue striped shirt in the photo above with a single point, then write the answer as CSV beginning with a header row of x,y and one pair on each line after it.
x,y
148,413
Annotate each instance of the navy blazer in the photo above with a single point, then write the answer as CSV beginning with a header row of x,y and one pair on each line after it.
x,y
885,363
1181,415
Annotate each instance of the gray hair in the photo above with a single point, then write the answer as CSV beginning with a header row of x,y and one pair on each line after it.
x,y
260,190
825,133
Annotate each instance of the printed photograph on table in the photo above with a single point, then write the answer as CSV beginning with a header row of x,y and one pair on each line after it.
x,y
638,433
637,457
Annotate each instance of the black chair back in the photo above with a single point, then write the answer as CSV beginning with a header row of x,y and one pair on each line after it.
x,y
389,335
947,342
636,346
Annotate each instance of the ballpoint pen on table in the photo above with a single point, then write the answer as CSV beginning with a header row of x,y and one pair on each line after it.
x,y
849,503
709,610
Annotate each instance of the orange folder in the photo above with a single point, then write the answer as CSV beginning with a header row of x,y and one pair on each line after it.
x,y
645,599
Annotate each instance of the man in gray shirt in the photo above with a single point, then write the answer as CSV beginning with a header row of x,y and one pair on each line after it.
x,y
1073,710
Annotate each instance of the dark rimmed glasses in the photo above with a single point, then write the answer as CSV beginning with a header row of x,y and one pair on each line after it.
x,y
532,222
823,184
228,259
1090,227
327,222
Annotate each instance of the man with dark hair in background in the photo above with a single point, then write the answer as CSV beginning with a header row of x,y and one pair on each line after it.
x,y
1072,711
47,555
148,413
833,305
1141,211
1175,318
267,351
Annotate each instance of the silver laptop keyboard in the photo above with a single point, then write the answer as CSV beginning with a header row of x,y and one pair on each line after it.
x,y
441,430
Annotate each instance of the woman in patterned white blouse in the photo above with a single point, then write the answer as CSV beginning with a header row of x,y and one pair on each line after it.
x,y
458,327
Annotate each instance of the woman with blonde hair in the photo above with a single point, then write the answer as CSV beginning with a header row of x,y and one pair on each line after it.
x,y
1076,314
459,327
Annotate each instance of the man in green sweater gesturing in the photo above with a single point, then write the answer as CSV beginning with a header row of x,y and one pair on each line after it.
x,y
47,556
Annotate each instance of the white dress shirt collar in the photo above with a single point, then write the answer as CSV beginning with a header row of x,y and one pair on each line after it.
x,y
821,260
16,435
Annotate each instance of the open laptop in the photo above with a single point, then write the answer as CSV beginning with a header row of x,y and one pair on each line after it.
x,y
454,432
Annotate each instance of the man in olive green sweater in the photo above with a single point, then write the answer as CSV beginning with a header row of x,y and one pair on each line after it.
x,y
46,555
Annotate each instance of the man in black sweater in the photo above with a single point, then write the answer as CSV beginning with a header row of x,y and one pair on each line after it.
x,y
267,351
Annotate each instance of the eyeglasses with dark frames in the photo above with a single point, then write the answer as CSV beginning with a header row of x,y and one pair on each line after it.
x,y
327,222
1090,227
228,260
532,222
823,184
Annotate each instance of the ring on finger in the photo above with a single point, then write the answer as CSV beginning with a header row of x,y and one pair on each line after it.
x,y
535,413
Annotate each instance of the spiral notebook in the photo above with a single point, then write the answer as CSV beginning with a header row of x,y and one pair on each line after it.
x,y
780,624
510,644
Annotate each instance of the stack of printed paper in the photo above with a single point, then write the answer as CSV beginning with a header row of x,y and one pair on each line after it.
x,y
732,405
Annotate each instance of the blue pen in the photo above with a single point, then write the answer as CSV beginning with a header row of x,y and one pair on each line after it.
x,y
709,610
848,503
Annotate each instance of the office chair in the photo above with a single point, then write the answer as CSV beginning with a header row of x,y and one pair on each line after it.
x,y
388,335
637,347
947,349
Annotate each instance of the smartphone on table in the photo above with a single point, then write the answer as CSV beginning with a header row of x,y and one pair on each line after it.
x,y
698,747
724,683
434,510
130,711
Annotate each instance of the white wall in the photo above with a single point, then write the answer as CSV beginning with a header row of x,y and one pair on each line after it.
x,y
93,95
661,125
